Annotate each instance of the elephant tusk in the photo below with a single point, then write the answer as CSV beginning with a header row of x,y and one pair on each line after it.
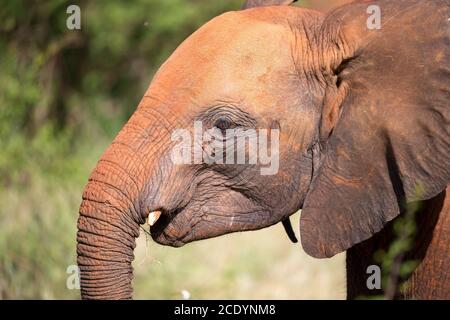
x,y
153,217
288,228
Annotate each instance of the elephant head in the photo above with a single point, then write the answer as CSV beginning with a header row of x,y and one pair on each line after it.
x,y
355,122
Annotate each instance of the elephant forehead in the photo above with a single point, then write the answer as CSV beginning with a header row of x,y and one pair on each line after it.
x,y
228,54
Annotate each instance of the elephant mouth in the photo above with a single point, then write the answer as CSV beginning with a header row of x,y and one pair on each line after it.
x,y
168,229
176,228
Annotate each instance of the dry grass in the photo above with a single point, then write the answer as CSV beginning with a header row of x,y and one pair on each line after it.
x,y
252,265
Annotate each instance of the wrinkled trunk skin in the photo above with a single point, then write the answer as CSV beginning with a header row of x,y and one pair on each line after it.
x,y
110,213
107,228
106,239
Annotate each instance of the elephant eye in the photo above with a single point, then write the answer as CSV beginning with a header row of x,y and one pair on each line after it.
x,y
223,123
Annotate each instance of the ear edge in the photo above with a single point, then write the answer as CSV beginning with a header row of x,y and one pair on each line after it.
x,y
321,246
335,94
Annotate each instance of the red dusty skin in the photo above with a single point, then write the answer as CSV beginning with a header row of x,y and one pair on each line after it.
x,y
105,244
110,213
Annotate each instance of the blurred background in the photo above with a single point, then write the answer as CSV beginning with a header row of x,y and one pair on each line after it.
x,y
64,95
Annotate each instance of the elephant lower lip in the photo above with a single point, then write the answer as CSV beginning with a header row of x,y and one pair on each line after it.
x,y
165,232
163,238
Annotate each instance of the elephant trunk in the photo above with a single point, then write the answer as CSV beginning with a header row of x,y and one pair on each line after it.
x,y
111,212
105,243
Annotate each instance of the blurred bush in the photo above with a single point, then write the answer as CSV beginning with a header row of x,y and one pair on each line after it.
x,y
63,96
57,83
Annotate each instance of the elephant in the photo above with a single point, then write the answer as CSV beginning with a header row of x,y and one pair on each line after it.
x,y
359,118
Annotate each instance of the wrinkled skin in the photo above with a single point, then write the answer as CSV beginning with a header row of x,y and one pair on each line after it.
x,y
219,199
353,143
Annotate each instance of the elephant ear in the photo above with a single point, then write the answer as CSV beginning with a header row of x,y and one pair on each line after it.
x,y
266,3
385,121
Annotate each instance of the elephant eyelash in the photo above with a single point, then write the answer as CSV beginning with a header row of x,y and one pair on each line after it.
x,y
224,123
227,117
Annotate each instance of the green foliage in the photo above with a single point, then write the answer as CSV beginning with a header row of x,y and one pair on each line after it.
x,y
63,96
395,268
82,81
